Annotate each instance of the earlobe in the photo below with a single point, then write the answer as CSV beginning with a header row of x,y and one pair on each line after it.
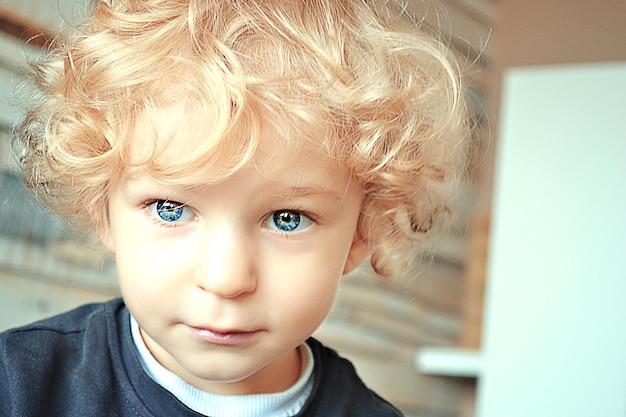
x,y
107,242
105,238
103,230
358,252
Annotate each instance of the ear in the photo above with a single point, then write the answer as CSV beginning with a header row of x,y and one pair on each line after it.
x,y
103,230
105,238
358,252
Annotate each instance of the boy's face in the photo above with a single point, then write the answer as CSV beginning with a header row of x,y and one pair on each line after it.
x,y
227,280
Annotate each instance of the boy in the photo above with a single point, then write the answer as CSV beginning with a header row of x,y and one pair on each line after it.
x,y
237,158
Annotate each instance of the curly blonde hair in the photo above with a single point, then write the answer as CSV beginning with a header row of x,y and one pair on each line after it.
x,y
384,91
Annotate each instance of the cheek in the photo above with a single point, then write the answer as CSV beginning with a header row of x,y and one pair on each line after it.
x,y
147,273
306,290
302,314
148,288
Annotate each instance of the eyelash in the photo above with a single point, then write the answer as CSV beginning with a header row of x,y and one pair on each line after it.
x,y
302,215
153,210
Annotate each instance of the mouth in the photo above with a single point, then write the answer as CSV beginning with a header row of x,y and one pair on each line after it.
x,y
230,337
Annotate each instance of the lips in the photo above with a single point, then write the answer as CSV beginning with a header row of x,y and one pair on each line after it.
x,y
222,337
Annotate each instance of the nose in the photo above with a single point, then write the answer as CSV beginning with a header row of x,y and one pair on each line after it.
x,y
226,265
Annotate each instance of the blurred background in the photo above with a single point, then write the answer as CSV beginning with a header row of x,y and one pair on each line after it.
x,y
473,330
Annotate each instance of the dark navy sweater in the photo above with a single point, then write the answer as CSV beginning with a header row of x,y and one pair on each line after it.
x,y
83,363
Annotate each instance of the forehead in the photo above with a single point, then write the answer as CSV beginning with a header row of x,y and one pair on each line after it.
x,y
176,146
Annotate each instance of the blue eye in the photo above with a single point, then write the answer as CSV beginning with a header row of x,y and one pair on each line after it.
x,y
170,211
288,221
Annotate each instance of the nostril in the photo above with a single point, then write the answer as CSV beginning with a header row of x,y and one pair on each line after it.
x,y
228,288
227,280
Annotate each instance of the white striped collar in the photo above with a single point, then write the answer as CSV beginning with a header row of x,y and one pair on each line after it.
x,y
282,404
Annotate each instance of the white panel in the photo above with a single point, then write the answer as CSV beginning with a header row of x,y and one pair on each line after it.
x,y
555,326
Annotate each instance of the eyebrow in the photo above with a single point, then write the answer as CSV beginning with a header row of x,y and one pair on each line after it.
x,y
288,190
273,188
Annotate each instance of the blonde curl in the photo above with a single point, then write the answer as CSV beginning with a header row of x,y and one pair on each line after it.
x,y
386,92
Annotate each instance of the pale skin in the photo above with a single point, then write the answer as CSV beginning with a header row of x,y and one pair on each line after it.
x,y
226,281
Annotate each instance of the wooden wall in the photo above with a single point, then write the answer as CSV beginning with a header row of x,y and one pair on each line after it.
x,y
378,324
